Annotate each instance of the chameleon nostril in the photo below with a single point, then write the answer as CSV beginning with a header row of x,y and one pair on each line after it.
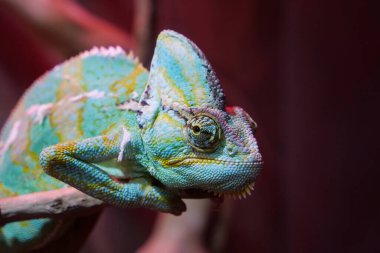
x,y
231,150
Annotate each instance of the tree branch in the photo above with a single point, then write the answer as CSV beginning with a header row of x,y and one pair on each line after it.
x,y
48,204
62,202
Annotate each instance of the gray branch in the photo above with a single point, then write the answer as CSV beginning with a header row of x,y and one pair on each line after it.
x,y
48,204
66,201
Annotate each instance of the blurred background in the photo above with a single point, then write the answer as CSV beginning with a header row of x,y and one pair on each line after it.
x,y
308,73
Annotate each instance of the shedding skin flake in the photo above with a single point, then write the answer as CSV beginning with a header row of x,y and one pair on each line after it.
x,y
123,144
39,112
132,105
92,94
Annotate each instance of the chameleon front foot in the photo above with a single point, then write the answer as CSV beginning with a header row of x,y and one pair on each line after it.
x,y
162,200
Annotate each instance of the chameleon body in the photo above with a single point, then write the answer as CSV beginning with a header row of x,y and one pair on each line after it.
x,y
102,116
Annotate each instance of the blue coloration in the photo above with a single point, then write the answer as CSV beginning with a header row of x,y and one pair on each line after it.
x,y
45,89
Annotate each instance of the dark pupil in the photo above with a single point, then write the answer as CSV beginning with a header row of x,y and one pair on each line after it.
x,y
196,129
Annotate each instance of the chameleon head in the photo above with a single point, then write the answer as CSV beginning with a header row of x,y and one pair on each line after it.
x,y
191,139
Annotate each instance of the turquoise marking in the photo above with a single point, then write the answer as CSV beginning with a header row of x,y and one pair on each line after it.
x,y
13,179
175,71
100,73
44,90
46,135
27,233
94,123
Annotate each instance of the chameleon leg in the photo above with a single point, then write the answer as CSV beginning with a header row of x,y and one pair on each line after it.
x,y
73,163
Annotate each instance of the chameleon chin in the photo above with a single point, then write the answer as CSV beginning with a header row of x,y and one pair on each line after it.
x,y
102,116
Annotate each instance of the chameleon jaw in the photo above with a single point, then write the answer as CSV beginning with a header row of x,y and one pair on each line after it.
x,y
242,192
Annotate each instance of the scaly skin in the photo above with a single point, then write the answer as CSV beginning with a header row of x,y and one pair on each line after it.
x,y
101,116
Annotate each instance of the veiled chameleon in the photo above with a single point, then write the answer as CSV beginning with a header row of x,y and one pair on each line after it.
x,y
102,116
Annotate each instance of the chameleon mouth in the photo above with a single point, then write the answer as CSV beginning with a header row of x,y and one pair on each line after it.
x,y
239,194
192,160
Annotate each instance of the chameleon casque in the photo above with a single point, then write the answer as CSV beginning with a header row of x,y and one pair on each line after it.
x,y
101,116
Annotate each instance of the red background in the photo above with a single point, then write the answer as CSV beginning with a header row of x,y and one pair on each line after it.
x,y
308,73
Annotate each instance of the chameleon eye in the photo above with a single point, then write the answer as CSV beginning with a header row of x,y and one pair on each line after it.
x,y
203,133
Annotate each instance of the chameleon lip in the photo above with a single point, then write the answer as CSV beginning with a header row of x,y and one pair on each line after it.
x,y
191,160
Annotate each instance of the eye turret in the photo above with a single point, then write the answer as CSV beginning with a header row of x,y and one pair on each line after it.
x,y
203,133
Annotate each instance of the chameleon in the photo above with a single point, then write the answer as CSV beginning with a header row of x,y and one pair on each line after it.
x,y
100,118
